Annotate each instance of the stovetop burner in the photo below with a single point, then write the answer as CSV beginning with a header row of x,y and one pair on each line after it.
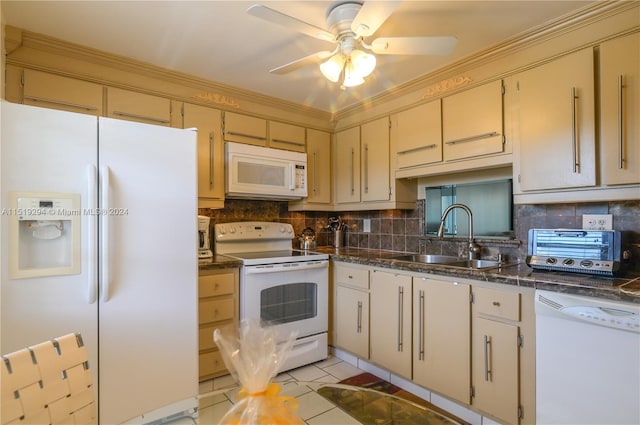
x,y
259,242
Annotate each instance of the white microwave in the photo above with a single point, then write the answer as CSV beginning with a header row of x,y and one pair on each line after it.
x,y
256,172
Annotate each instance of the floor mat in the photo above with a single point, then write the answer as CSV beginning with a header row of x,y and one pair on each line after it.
x,y
371,408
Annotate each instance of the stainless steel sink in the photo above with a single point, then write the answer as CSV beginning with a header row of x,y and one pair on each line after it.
x,y
448,260
427,259
476,264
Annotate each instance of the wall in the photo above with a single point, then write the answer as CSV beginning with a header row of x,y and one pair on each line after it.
x,y
401,230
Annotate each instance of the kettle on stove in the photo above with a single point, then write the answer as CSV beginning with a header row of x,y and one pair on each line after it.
x,y
307,238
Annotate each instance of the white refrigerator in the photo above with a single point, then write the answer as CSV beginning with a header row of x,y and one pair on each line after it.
x,y
99,236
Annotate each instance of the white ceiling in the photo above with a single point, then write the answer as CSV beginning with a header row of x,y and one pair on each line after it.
x,y
219,41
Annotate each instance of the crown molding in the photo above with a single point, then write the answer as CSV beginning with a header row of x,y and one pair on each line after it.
x,y
206,91
593,13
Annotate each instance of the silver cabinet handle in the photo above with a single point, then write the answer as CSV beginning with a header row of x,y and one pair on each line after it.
x,y
421,325
366,168
287,142
400,316
140,117
315,172
473,138
431,146
359,321
352,171
621,158
58,102
574,129
211,158
249,136
487,370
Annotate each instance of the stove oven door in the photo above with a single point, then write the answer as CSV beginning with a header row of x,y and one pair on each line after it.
x,y
294,298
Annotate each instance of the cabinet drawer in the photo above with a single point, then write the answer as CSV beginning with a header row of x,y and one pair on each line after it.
x,y
205,337
216,284
352,276
503,304
211,363
215,310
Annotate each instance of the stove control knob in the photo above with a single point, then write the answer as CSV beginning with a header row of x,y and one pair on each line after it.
x,y
551,260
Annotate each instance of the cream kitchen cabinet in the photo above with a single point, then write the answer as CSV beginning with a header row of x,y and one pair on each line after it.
x,y
556,124
244,129
347,170
417,133
441,337
472,122
140,107
374,154
318,173
287,136
502,374
351,308
217,306
208,121
620,110
390,321
56,92
363,178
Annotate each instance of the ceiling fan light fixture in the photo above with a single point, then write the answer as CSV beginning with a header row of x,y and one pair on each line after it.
x,y
352,77
363,63
332,68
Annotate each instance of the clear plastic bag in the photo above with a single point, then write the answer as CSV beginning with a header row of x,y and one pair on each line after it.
x,y
254,355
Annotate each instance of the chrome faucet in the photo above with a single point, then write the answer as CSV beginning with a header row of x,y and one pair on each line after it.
x,y
474,250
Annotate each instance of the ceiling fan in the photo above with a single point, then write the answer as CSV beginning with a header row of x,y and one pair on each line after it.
x,y
349,24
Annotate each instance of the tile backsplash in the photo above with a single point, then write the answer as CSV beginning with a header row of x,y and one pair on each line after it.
x,y
402,230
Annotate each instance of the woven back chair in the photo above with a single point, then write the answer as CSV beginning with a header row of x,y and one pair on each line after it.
x,y
48,383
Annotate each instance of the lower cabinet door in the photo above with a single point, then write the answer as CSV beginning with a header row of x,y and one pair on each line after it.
x,y
496,369
352,321
391,322
442,337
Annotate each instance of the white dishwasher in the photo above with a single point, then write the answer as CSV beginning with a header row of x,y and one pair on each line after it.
x,y
587,360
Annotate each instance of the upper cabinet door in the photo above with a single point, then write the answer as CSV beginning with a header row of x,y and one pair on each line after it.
x,y
417,133
208,121
286,136
556,123
139,107
374,154
319,166
347,173
244,129
67,94
620,110
472,122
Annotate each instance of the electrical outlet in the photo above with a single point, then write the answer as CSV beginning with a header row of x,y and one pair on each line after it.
x,y
597,222
366,225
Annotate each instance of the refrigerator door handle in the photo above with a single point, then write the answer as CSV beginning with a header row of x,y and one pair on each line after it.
x,y
92,247
104,236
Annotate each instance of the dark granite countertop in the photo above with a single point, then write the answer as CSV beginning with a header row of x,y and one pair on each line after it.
x,y
218,262
618,288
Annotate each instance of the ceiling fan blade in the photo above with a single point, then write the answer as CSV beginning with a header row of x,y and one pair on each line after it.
x,y
371,16
289,22
414,45
307,60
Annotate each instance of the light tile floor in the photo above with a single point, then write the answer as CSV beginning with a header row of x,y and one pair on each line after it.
x,y
312,408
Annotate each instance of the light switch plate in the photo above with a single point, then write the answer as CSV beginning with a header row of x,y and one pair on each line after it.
x,y
597,222
366,225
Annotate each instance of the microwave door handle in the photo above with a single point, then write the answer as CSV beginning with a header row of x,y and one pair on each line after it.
x,y
292,176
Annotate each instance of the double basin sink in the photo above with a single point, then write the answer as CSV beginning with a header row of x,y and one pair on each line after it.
x,y
450,261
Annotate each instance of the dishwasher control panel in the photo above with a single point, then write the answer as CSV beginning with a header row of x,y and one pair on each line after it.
x,y
612,317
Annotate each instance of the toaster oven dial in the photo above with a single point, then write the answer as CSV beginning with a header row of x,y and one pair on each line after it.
x,y
586,263
551,260
568,262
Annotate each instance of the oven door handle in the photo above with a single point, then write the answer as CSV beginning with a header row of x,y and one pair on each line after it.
x,y
287,267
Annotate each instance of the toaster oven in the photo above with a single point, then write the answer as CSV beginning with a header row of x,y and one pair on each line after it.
x,y
598,252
